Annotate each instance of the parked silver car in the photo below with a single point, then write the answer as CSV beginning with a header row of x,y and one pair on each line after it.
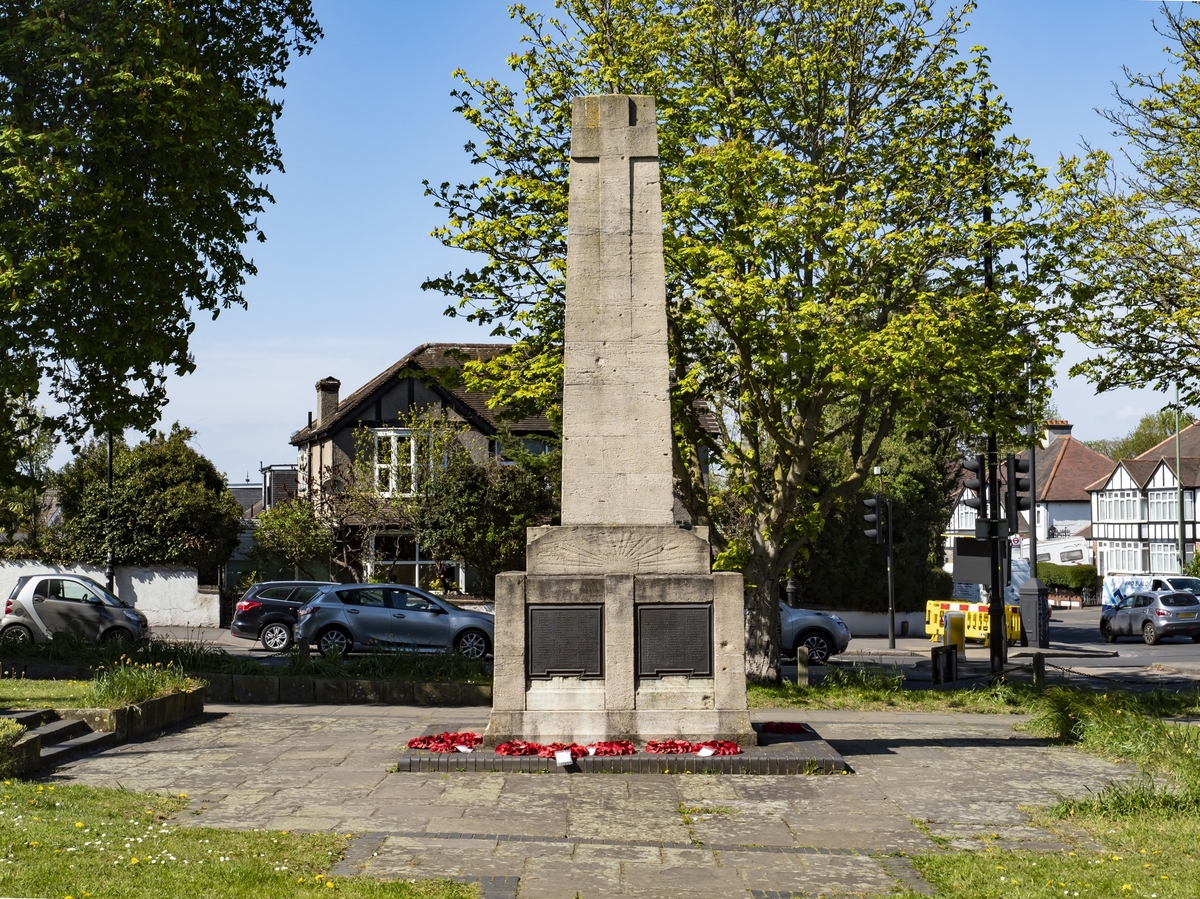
x,y
342,618
1152,616
824,634
42,604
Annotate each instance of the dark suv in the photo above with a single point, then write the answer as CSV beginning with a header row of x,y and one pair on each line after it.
x,y
267,612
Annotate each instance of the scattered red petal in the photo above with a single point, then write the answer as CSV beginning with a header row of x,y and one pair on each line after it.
x,y
612,747
669,747
719,747
518,747
547,751
445,741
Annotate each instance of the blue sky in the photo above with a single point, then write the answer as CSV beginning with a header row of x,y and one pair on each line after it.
x,y
368,116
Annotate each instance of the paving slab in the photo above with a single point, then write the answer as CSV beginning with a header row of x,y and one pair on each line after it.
x,y
607,835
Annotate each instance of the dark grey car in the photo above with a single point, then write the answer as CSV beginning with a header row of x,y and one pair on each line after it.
x,y
361,616
1152,616
42,604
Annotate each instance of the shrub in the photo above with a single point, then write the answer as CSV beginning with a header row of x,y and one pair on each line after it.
x,y
10,732
129,682
1072,577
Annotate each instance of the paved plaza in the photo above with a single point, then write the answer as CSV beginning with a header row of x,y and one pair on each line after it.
x,y
964,778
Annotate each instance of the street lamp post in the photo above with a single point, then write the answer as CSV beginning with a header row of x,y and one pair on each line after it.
x,y
109,569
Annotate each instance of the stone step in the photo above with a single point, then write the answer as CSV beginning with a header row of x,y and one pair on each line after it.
x,y
77,747
30,718
61,730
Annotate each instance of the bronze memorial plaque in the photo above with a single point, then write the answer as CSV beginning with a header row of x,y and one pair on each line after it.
x,y
565,640
674,638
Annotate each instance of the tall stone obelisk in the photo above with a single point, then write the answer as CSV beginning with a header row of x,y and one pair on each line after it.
x,y
618,628
616,402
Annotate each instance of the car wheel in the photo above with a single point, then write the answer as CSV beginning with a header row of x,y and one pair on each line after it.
x,y
472,644
116,635
1106,632
16,635
277,637
819,646
1149,634
334,641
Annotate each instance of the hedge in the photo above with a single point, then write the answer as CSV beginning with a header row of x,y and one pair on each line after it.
x,y
1073,577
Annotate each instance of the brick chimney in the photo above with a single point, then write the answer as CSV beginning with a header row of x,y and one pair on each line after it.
x,y
1056,428
327,399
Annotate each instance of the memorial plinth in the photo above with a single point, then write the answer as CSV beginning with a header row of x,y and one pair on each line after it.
x,y
618,627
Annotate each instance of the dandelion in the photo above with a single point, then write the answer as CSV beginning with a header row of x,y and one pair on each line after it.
x,y
79,824
133,861
329,883
1126,888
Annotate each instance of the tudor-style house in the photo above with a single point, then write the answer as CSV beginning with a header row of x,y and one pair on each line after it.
x,y
1061,503
1135,509
327,447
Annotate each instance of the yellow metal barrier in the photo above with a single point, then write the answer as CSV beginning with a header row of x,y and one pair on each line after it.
x,y
979,624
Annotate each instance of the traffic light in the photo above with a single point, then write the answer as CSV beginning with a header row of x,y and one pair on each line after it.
x,y
977,465
874,518
1016,496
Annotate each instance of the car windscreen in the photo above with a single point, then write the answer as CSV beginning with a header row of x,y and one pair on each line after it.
x,y
1180,599
1191,584
105,597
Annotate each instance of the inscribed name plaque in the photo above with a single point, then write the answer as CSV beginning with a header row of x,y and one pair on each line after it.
x,y
565,640
674,638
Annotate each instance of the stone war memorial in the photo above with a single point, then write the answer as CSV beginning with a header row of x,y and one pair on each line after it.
x,y
618,628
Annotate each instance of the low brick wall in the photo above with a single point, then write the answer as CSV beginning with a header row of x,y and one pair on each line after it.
x,y
26,754
132,721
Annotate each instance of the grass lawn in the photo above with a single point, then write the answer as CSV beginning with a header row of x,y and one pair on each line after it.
x,y
19,693
88,843
1149,827
876,689
1154,855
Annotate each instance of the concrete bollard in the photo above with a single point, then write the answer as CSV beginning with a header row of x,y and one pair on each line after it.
x,y
802,667
1039,671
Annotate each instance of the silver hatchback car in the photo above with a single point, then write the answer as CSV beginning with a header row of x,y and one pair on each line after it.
x,y
43,604
344,617
823,633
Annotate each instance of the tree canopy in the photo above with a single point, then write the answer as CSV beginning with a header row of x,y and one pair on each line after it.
x,y
1132,228
134,136
294,534
1152,429
834,177
170,505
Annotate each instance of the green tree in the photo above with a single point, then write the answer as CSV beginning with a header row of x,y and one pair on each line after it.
x,y
134,139
473,508
29,452
170,505
1153,429
826,168
1132,227
294,533
844,570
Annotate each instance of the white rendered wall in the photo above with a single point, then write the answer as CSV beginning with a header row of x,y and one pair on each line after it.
x,y
168,596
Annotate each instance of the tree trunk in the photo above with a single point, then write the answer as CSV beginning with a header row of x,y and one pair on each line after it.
x,y
762,631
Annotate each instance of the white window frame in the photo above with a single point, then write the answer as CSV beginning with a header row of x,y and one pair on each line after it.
x,y
372,562
388,474
1163,558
